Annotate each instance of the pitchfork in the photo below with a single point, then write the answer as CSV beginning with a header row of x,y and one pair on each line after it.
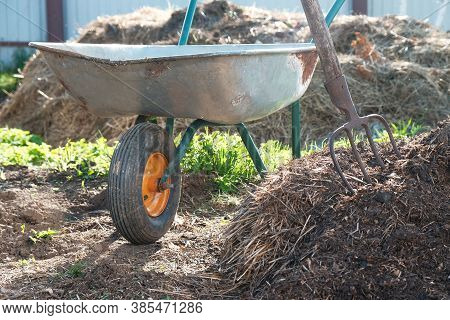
x,y
337,88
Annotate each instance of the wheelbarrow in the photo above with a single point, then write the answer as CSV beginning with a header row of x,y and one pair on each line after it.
x,y
216,84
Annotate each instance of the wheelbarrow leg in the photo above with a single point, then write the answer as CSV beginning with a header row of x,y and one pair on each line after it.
x,y
189,135
181,149
296,126
169,126
252,149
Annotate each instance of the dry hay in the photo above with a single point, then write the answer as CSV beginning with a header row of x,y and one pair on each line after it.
x,y
396,89
299,236
411,81
396,37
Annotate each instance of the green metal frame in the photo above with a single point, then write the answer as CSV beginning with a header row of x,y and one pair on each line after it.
x,y
189,135
296,129
296,106
241,128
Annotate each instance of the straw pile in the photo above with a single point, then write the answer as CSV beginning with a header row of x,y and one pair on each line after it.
x,y
410,79
299,236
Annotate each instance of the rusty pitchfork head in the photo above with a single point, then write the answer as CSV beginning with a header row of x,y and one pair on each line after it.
x,y
338,90
341,98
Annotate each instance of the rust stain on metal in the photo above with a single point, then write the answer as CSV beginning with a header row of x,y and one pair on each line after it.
x,y
156,69
308,61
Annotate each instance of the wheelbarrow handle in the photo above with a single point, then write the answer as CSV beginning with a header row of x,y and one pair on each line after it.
x,y
322,39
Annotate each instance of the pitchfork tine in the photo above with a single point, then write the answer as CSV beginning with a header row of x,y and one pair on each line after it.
x,y
389,131
373,146
357,155
335,162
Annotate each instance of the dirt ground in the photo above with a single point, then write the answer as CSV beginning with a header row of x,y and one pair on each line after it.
x,y
111,267
390,240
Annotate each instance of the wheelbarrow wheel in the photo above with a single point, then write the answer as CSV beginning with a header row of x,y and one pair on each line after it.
x,y
140,210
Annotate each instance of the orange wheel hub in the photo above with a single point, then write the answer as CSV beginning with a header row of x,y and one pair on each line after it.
x,y
155,200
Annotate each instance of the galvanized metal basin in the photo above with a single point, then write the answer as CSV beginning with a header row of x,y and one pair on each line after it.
x,y
225,84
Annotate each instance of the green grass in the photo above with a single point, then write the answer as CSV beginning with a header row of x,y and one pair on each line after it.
x,y
401,129
76,270
219,154
224,156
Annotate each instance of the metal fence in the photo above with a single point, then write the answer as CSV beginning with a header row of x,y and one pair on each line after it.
x,y
436,12
20,22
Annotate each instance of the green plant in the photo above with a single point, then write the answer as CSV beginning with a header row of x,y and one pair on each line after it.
x,y
86,159
275,154
219,154
18,147
20,58
26,262
17,137
8,83
37,236
83,159
76,270
224,156
401,129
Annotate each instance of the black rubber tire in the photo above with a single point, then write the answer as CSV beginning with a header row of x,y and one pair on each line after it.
x,y
125,184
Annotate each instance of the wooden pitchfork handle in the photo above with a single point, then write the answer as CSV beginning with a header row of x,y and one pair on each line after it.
x,y
322,39
335,82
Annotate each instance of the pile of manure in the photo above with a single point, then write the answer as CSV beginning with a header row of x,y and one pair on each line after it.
x,y
299,235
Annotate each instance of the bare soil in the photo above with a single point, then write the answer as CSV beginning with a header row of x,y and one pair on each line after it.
x,y
111,267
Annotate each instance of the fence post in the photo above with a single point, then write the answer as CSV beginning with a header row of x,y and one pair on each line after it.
x,y
359,7
55,20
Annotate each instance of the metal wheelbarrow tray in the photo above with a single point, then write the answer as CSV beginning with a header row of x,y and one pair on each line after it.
x,y
224,84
